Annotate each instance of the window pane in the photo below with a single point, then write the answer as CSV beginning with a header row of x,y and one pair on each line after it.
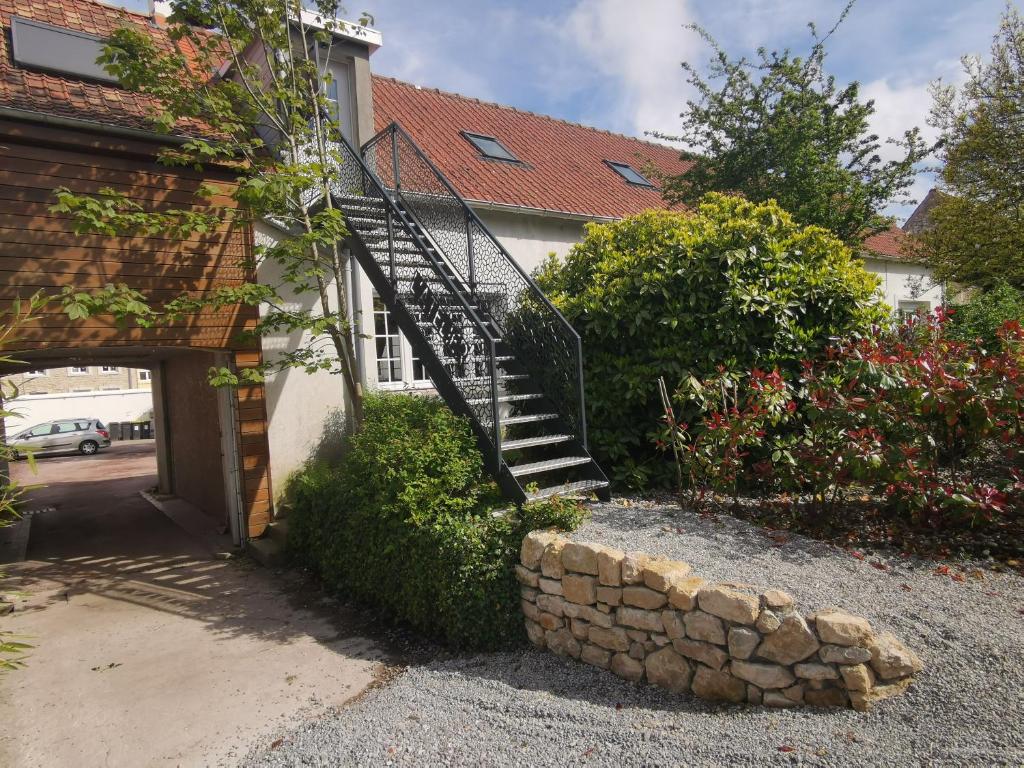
x,y
389,362
630,174
490,147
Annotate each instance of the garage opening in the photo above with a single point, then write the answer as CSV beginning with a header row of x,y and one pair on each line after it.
x,y
148,413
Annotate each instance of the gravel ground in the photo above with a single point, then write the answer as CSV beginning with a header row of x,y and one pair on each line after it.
x,y
532,708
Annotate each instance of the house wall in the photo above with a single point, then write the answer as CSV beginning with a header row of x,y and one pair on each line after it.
x,y
39,250
193,433
904,281
122,405
530,238
63,380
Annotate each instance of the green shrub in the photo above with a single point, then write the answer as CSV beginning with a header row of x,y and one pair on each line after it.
x,y
733,285
409,522
985,313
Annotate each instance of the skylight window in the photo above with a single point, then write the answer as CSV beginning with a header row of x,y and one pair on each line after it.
x,y
630,174
56,49
490,147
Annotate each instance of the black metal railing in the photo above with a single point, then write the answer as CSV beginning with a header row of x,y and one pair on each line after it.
x,y
534,330
462,344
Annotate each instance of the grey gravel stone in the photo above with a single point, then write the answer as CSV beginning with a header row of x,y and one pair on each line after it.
x,y
530,707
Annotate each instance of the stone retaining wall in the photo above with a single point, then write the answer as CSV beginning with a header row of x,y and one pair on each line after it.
x,y
649,618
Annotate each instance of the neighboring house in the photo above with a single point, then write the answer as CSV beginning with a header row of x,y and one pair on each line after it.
x,y
107,392
907,283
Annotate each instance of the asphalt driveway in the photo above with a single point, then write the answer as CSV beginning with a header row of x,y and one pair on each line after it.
x,y
150,648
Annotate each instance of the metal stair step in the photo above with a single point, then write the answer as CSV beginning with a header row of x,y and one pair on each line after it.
x,y
356,221
345,201
581,486
501,377
532,442
508,398
537,467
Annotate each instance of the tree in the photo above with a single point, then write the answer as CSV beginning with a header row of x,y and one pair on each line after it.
x,y
976,233
732,286
269,119
780,128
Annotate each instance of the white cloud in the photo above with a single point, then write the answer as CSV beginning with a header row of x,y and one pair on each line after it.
x,y
638,49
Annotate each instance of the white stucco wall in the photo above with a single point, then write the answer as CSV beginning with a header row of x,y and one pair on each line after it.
x,y
903,281
122,405
530,238
299,404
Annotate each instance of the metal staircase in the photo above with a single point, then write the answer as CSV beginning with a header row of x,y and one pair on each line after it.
x,y
495,348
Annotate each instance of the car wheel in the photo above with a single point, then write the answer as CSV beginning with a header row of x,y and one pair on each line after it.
x,y
88,447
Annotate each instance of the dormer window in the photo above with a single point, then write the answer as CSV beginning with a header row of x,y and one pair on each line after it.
x,y
490,148
630,174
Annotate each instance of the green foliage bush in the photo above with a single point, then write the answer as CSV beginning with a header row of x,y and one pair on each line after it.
x,y
985,313
409,522
733,284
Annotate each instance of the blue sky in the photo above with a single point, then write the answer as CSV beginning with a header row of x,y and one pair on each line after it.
x,y
615,64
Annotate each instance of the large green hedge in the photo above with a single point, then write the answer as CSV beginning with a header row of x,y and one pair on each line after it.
x,y
407,521
675,294
981,317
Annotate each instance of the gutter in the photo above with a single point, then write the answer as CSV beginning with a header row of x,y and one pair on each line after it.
x,y
91,125
486,205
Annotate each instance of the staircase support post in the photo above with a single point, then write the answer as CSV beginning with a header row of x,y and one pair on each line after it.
x,y
394,163
391,247
493,365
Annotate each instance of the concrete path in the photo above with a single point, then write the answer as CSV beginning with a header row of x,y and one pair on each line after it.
x,y
149,650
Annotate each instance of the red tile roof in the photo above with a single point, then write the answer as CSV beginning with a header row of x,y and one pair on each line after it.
x,y
892,243
563,163
73,97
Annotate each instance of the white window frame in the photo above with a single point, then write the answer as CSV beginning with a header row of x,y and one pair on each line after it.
x,y
912,307
35,374
145,374
110,370
406,358
78,370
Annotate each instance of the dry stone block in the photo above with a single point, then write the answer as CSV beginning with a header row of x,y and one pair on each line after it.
x,y
609,595
891,659
841,628
704,626
592,654
637,634
673,621
683,593
550,622
637,651
530,610
844,654
667,669
528,593
660,641
534,544
553,604
776,599
795,693
614,639
581,590
815,671
763,675
609,566
718,686
604,607
729,604
579,628
827,697
768,622
550,586
862,701
563,643
627,668
642,597
633,567
551,559
535,632
526,576
754,694
639,619
742,642
857,677
660,574
777,699
580,557
705,653
793,641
